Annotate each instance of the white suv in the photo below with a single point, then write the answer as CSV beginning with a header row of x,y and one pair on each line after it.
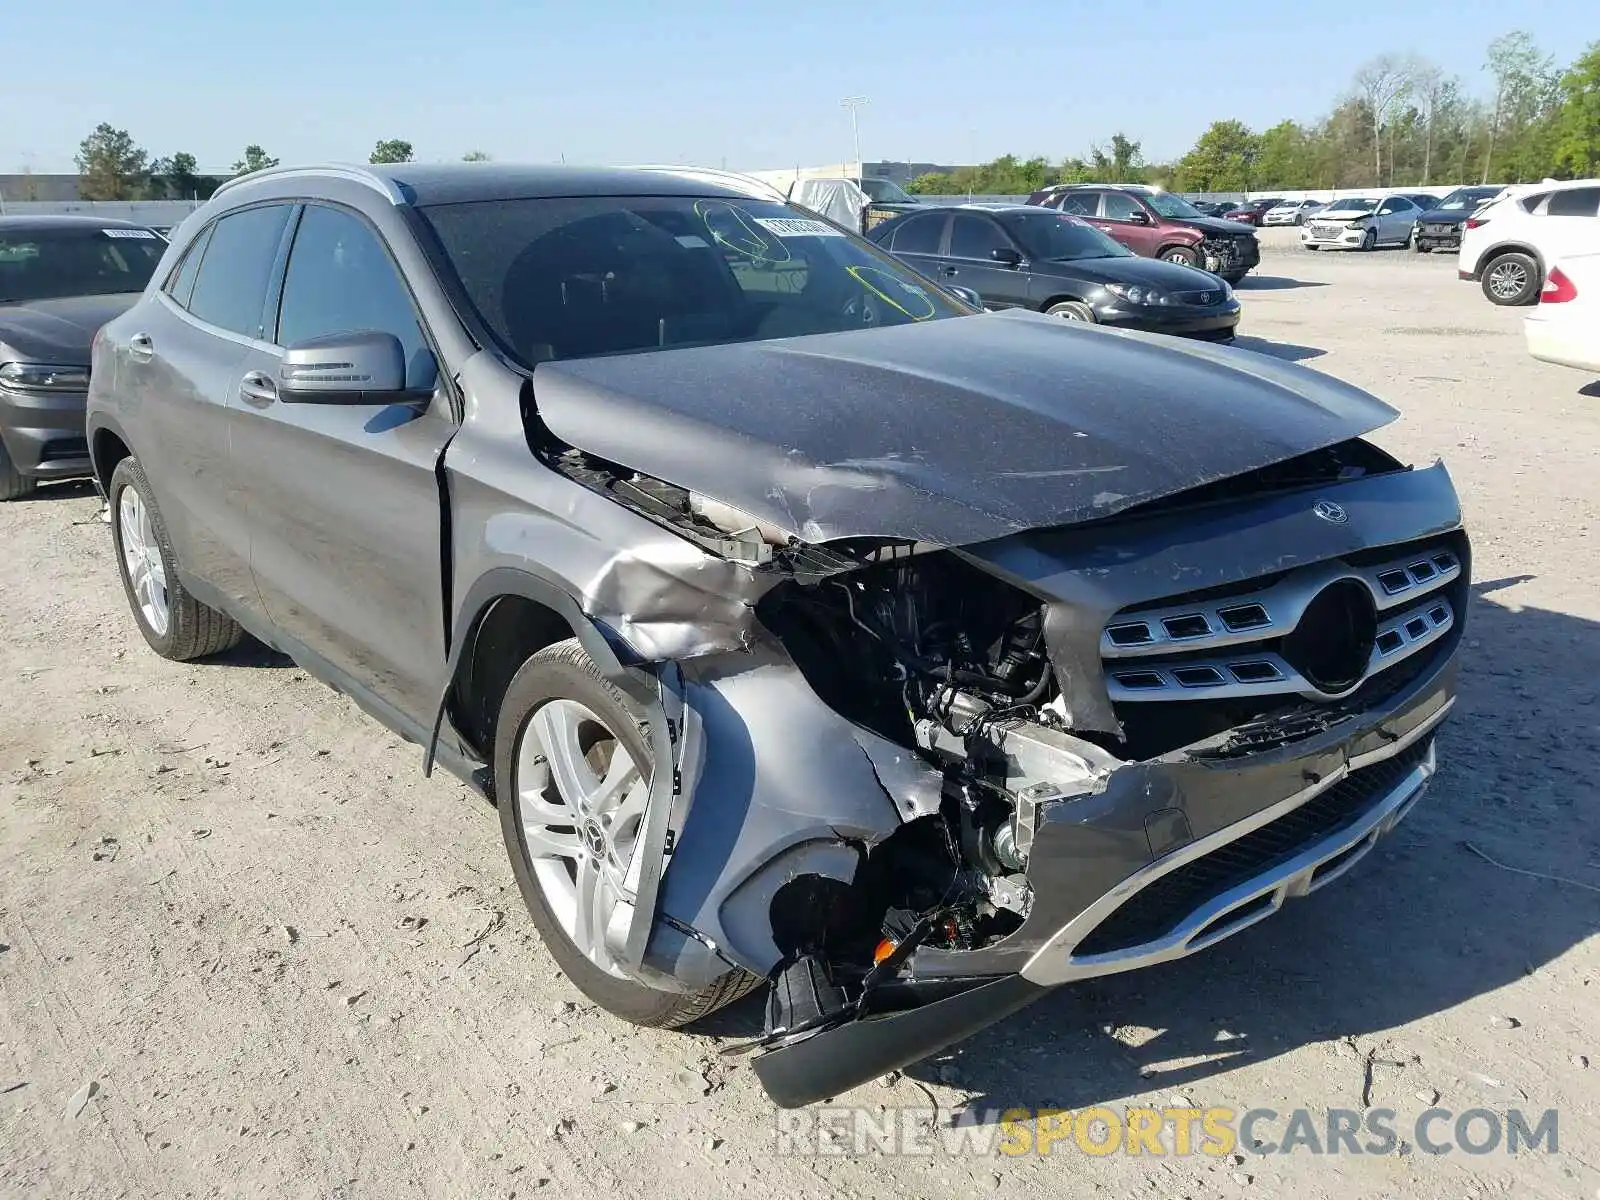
x,y
1510,242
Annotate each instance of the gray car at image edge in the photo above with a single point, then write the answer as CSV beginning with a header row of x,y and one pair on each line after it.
x,y
809,629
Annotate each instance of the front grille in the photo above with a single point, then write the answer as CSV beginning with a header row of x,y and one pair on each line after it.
x,y
1441,230
1162,906
1199,299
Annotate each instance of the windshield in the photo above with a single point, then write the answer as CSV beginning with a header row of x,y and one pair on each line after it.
x,y
1169,205
1352,205
586,276
886,190
46,264
1466,198
1055,237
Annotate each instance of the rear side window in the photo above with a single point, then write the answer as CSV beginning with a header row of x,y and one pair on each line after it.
x,y
342,280
1574,202
1080,204
181,286
230,290
919,235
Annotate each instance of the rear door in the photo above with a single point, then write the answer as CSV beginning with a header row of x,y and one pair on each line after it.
x,y
181,370
969,261
344,499
1569,224
917,240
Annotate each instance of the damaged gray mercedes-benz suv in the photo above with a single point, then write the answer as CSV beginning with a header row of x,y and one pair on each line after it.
x,y
807,627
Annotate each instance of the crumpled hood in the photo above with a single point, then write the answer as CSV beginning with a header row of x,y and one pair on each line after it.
x,y
1219,226
952,431
1345,214
58,331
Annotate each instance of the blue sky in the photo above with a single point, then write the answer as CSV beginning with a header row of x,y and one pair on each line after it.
x,y
755,85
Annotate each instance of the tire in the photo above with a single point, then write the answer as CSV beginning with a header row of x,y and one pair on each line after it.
x,y
1312,248
14,485
564,675
1512,279
191,629
1369,240
1181,255
1071,310
1421,249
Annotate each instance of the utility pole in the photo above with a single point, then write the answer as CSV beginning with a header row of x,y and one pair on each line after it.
x,y
854,104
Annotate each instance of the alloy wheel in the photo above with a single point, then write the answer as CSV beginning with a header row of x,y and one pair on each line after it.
x,y
1508,280
141,559
581,801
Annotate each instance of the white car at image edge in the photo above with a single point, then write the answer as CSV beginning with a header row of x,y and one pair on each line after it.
x,y
1565,327
1506,244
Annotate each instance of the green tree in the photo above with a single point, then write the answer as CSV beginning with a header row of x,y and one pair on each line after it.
x,y
175,178
1284,158
1222,159
932,184
475,156
1576,125
1121,162
391,150
255,159
1524,94
111,166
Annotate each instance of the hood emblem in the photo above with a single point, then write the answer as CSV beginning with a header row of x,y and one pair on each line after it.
x,y
1333,513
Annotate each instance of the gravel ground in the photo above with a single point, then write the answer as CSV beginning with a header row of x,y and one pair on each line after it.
x,y
246,950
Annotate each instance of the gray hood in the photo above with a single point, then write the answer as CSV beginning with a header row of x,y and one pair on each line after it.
x,y
952,431
58,331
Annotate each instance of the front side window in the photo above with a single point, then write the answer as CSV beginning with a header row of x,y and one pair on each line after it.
x,y
45,263
230,290
1051,237
341,279
578,277
975,237
1120,207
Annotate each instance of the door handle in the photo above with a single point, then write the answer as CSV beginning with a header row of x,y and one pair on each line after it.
x,y
257,389
141,347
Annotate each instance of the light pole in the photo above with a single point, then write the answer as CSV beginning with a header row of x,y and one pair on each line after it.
x,y
854,104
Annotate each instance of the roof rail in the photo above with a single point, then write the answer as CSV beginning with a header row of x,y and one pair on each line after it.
x,y
355,174
712,173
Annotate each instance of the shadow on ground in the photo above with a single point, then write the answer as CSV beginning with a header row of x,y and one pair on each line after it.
x,y
1421,926
1274,283
74,489
1590,389
1287,351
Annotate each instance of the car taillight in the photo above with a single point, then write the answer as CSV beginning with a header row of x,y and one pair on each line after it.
x,y
1477,222
1558,289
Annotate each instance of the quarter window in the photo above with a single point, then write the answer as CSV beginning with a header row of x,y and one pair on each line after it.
x,y
230,290
181,286
342,280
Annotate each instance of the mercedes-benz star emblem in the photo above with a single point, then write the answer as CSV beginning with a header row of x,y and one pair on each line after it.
x,y
1330,512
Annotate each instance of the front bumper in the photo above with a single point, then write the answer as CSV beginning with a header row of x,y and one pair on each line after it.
x,y
44,433
1440,238
1345,238
1215,323
1304,814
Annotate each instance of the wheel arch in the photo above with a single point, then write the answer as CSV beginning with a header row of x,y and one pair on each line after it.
x,y
107,447
1063,298
1193,247
1495,251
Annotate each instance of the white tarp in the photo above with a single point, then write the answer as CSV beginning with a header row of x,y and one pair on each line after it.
x,y
837,199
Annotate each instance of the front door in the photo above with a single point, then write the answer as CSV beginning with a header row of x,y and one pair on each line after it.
x,y
970,261
1125,219
344,499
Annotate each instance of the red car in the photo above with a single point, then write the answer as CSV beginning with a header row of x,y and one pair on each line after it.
x,y
1157,224
1250,213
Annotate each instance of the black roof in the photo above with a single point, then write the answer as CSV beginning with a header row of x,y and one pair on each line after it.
x,y
65,221
454,183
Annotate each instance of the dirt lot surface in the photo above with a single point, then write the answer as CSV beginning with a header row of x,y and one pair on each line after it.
x,y
246,950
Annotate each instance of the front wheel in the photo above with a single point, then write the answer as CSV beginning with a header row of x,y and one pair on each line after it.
x,y
572,769
1369,240
1071,310
1181,255
174,623
1512,279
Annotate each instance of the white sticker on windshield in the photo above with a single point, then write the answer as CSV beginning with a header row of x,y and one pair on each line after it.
x,y
128,233
693,241
787,227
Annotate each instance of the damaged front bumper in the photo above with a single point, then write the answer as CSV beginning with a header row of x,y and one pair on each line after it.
x,y
1169,857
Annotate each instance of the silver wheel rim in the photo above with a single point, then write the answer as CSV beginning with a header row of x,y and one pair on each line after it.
x,y
1177,258
1071,314
581,801
141,560
1508,279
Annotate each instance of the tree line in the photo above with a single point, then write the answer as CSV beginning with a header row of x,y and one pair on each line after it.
x,y
1401,121
112,166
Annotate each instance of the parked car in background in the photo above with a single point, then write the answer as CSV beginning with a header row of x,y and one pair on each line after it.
x,y
813,632
1439,228
61,278
1290,212
1564,328
1157,224
1361,223
1252,211
889,195
1507,245
1211,208
1024,256
1423,200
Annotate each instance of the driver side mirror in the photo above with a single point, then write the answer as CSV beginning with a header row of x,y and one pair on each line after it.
x,y
1006,256
368,367
1139,217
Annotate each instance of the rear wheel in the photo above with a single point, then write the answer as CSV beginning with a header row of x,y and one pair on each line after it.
x,y
176,625
1181,255
13,483
1071,310
572,768
1512,279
